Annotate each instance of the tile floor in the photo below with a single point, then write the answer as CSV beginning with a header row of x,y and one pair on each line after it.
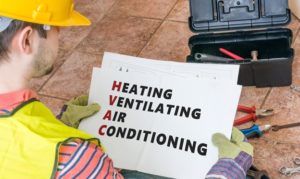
x,y
158,29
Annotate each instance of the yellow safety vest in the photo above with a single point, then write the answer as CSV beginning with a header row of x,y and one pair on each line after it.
x,y
29,142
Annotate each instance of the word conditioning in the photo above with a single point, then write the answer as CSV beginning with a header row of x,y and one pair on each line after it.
x,y
148,92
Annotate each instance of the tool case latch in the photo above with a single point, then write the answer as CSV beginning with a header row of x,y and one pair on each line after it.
x,y
232,10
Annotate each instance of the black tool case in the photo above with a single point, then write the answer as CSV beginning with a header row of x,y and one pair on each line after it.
x,y
242,26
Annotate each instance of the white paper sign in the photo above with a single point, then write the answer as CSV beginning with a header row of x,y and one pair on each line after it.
x,y
151,67
163,124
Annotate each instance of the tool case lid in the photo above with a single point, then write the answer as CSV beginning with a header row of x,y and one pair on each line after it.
x,y
228,15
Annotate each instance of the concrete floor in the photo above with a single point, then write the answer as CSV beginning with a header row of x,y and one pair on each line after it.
x,y
158,29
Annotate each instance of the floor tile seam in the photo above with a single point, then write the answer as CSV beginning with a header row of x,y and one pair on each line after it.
x,y
145,17
266,97
158,19
114,4
162,21
103,17
179,21
106,14
296,35
155,31
138,17
111,9
93,25
50,96
275,142
88,52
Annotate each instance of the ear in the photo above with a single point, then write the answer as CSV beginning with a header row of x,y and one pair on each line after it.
x,y
25,40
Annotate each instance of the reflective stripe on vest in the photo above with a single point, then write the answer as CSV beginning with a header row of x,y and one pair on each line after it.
x,y
30,138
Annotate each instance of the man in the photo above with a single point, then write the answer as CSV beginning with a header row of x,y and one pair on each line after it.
x,y
34,144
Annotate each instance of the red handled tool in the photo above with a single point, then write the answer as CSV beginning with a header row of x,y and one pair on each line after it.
x,y
252,115
230,54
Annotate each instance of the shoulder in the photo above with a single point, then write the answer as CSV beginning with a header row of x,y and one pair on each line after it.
x,y
83,159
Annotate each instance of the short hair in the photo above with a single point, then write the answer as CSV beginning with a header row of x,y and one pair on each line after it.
x,y
8,34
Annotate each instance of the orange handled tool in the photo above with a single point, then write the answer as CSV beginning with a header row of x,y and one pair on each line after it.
x,y
252,115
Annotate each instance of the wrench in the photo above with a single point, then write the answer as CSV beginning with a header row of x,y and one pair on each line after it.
x,y
290,171
279,127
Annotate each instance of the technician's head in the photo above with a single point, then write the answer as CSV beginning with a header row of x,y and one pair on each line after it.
x,y
29,32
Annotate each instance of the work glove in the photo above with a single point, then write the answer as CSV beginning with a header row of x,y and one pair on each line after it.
x,y
77,109
235,156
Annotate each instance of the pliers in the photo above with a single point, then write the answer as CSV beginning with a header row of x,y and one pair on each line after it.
x,y
253,114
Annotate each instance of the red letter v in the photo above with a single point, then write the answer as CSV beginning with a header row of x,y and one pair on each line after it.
x,y
112,99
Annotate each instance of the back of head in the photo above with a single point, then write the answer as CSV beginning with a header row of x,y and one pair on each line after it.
x,y
10,30
39,14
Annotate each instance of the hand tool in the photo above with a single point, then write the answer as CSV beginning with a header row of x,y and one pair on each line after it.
x,y
290,171
253,114
254,173
211,58
230,54
295,88
255,130
297,160
279,127
254,55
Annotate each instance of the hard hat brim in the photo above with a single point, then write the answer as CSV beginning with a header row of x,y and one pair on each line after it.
x,y
75,19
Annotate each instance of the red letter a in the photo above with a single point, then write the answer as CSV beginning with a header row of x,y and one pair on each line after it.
x,y
107,115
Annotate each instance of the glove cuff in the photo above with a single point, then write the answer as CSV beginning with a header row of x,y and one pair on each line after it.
x,y
244,160
63,109
227,168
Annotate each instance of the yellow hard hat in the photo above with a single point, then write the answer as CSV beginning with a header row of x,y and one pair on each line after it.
x,y
48,12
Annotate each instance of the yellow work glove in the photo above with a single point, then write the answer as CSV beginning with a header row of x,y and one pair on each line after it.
x,y
235,156
232,148
77,109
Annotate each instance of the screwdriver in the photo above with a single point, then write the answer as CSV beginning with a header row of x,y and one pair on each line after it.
x,y
255,130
